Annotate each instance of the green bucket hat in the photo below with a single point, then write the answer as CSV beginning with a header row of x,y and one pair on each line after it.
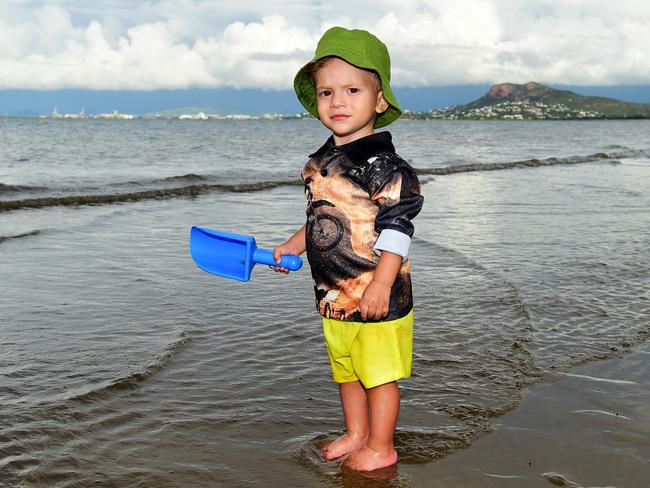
x,y
359,48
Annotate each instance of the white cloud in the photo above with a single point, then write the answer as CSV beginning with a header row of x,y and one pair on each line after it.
x,y
123,44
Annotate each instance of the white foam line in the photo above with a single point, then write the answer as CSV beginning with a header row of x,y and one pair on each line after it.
x,y
603,380
602,412
503,476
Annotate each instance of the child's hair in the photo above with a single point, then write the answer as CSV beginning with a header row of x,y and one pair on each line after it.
x,y
312,68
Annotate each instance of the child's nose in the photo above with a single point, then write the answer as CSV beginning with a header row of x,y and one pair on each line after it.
x,y
337,99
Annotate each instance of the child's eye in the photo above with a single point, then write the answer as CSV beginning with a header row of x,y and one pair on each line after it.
x,y
324,93
353,90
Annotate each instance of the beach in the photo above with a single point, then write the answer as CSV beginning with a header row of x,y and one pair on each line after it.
x,y
123,364
586,427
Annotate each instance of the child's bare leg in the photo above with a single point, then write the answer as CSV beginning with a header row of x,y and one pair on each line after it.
x,y
379,452
355,411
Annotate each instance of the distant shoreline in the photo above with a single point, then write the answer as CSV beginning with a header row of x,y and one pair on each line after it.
x,y
270,117
503,101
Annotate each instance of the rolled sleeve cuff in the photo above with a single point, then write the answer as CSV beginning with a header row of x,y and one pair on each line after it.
x,y
393,241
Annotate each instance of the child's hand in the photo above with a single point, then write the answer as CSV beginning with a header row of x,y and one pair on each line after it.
x,y
279,251
295,245
375,301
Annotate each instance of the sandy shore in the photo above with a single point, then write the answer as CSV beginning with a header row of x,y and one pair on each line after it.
x,y
588,427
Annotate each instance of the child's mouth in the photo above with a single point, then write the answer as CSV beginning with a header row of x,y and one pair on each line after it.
x,y
339,117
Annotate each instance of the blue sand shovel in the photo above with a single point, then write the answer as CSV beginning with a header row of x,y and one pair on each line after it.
x,y
232,255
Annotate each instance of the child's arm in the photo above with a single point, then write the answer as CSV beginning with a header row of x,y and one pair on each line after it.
x,y
399,200
295,245
376,298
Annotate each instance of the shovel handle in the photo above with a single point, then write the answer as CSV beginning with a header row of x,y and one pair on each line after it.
x,y
289,261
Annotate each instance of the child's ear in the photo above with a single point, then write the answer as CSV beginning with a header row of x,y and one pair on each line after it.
x,y
382,104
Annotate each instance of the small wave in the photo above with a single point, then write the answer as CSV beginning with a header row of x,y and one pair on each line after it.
x,y
18,188
533,163
157,194
132,380
560,480
20,236
190,178
187,177
618,146
196,189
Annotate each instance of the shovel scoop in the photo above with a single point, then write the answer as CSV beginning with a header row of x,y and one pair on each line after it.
x,y
232,255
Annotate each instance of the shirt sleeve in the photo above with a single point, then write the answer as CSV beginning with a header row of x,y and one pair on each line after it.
x,y
399,201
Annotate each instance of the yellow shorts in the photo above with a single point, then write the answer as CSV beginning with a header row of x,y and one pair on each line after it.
x,y
371,352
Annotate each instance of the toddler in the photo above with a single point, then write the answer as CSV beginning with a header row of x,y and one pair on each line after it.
x,y
361,198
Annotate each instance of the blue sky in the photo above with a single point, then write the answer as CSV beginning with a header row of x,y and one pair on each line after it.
x,y
230,53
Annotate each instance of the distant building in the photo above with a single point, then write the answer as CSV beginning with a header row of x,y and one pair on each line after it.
x,y
80,115
199,116
114,115
241,117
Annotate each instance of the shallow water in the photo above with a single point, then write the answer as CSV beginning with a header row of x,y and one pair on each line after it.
x,y
124,365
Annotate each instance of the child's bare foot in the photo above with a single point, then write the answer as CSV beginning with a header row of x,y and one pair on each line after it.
x,y
343,445
368,459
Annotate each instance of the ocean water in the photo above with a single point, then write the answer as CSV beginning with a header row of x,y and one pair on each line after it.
x,y
122,364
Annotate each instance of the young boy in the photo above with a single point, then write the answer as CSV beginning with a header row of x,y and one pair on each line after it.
x,y
361,198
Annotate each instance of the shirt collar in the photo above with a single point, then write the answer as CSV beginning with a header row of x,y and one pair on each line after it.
x,y
361,149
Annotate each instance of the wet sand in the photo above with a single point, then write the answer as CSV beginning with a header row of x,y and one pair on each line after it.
x,y
588,427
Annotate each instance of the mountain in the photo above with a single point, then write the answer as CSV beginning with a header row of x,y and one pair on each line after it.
x,y
24,113
536,101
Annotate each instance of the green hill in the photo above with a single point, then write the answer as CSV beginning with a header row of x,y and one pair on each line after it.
x,y
536,101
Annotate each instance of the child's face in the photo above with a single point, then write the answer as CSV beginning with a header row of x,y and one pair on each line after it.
x,y
348,100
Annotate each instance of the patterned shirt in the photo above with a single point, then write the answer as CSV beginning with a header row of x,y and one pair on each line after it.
x,y
361,197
